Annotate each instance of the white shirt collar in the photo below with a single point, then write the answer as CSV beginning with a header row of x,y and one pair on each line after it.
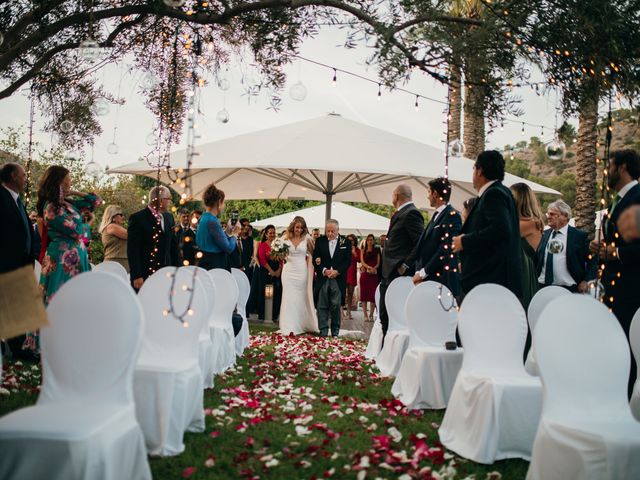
x,y
410,202
334,240
14,195
485,186
440,209
564,230
624,190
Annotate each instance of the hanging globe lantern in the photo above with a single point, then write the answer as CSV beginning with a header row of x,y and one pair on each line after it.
x,y
149,81
113,148
298,92
224,84
66,126
89,50
174,3
100,107
556,149
456,148
223,116
93,169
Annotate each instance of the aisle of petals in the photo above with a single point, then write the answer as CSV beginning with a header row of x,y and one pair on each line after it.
x,y
309,407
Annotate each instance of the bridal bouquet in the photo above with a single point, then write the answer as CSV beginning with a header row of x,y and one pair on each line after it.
x,y
279,250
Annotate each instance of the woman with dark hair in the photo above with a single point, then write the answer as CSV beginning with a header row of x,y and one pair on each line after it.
x,y
369,278
352,273
467,206
214,242
62,211
270,271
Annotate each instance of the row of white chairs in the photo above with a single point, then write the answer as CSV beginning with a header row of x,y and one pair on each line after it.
x,y
496,409
123,375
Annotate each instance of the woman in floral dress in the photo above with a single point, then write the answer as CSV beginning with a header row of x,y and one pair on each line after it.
x,y
63,213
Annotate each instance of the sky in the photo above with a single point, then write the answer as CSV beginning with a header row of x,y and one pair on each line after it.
x,y
351,97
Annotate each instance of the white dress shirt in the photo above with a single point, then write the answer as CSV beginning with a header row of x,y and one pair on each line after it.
x,y
561,275
485,186
406,204
624,190
332,246
14,195
438,211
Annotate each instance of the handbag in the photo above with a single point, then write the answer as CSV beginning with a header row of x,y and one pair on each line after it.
x,y
236,320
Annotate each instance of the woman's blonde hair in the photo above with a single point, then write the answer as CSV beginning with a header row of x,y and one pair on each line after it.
x,y
107,217
527,205
292,226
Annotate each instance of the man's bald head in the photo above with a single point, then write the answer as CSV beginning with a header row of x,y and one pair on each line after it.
x,y
401,195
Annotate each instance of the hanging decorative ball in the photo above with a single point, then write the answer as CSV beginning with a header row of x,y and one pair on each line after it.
x,y
224,84
90,50
223,116
556,149
113,148
456,148
174,3
100,107
555,246
298,92
150,81
93,169
595,289
66,126
1,38
151,139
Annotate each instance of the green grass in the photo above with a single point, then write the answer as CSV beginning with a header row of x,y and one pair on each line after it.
x,y
263,393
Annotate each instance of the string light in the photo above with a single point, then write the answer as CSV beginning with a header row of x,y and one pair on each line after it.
x,y
379,92
416,105
334,81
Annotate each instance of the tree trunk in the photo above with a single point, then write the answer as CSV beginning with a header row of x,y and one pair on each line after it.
x,y
474,97
586,171
455,103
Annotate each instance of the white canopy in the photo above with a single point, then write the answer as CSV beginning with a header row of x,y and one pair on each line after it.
x,y
326,158
352,220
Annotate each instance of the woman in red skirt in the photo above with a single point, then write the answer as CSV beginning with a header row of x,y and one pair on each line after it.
x,y
352,273
369,278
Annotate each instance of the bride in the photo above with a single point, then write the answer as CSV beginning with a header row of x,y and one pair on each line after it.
x,y
297,313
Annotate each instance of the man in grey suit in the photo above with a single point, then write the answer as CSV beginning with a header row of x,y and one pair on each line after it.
x,y
401,248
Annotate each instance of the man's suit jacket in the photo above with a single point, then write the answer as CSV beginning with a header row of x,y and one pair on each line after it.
x,y
625,270
340,261
491,243
14,235
580,263
434,249
187,247
140,244
401,246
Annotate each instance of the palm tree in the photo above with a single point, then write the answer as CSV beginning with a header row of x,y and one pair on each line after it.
x,y
586,169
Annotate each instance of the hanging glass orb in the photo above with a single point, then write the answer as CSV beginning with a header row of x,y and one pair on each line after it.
x,y
93,169
100,107
595,289
174,3
224,84
223,116
151,139
89,50
1,38
113,148
555,246
149,81
456,148
66,126
298,92
556,149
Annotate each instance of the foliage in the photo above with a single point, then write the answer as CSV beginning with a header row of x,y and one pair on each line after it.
x,y
567,133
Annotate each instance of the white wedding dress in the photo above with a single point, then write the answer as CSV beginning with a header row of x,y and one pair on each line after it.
x,y
297,314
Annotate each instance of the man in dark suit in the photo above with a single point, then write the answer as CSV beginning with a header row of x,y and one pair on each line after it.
x,y
489,246
151,243
564,258
331,259
436,260
401,246
621,276
17,236
186,238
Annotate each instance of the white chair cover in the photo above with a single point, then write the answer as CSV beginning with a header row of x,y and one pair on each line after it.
x,y
205,346
113,267
244,288
375,338
495,405
428,370
634,339
221,327
397,338
83,425
587,430
538,303
168,380
37,270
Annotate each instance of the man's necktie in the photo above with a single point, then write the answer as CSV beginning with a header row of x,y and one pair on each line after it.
x,y
608,225
548,269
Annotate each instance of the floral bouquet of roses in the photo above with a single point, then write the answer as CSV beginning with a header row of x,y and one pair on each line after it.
x,y
279,250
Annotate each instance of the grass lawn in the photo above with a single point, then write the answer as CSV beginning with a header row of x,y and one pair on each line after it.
x,y
301,407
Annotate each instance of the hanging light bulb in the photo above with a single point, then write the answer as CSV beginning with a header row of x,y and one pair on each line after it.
x,y
522,131
89,50
113,148
501,126
456,148
223,116
298,91
379,92
334,81
100,107
416,105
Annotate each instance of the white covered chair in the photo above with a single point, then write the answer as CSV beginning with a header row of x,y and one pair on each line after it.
x,y
586,430
244,288
428,370
168,380
375,337
83,425
221,326
113,267
397,338
495,405
205,346
37,270
634,340
538,303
